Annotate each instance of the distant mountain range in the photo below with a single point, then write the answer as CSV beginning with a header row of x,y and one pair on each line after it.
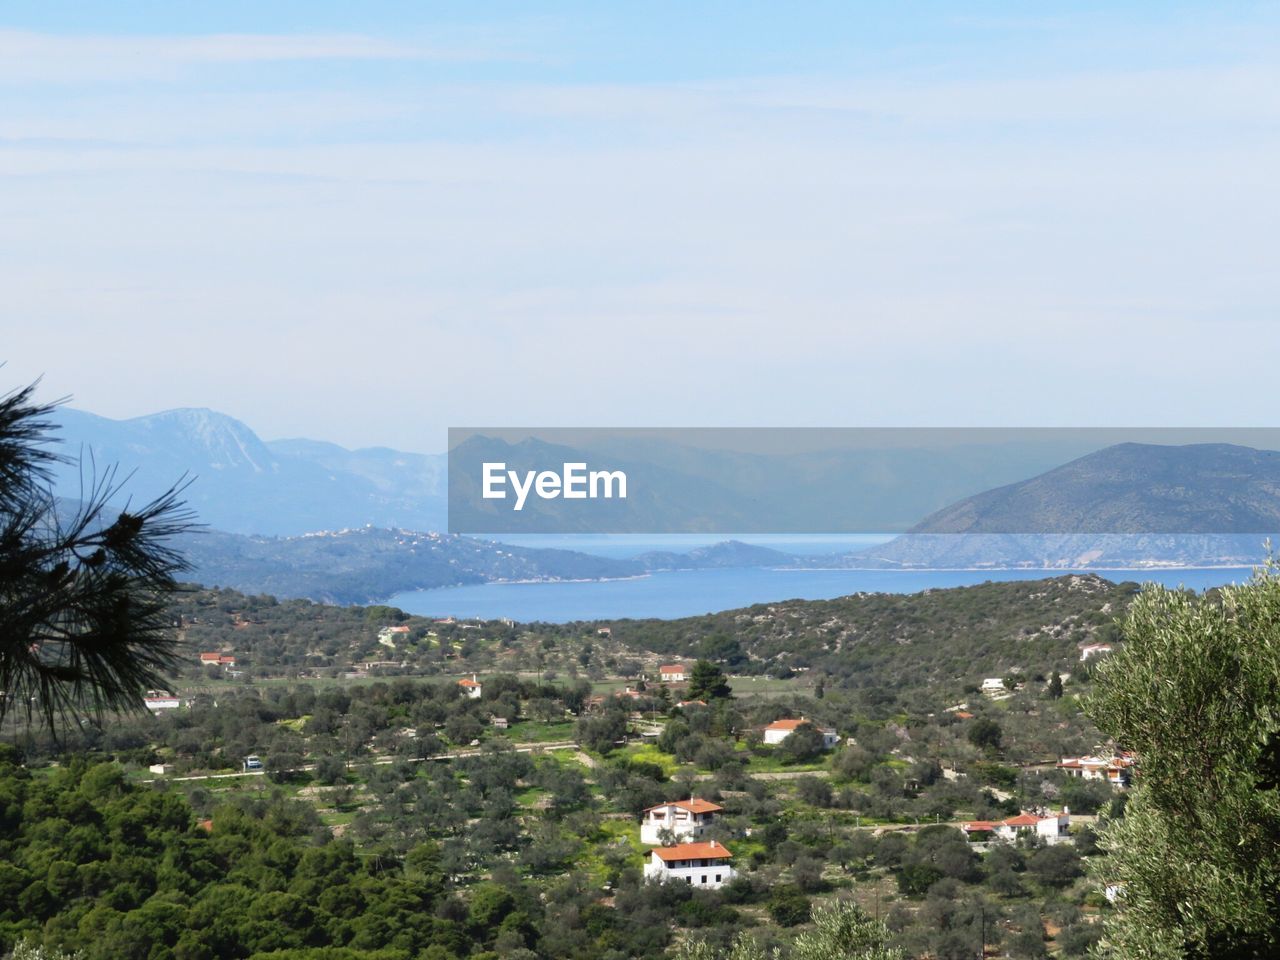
x,y
244,484
1129,505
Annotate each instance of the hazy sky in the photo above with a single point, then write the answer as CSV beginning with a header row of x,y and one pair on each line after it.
x,y
365,222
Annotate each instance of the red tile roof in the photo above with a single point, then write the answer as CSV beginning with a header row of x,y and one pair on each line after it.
x,y
787,724
692,851
468,683
697,805
1021,820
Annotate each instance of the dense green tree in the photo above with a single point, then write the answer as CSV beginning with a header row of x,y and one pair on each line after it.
x,y
985,734
843,931
1195,691
803,744
788,906
1055,686
707,682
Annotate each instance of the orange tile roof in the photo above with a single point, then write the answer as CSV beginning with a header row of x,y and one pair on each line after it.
x,y
692,851
671,668
1023,820
697,805
787,724
468,683
976,825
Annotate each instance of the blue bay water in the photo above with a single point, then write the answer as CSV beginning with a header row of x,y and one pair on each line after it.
x,y
684,593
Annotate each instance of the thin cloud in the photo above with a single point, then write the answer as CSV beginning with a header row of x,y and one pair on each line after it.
x,y
28,56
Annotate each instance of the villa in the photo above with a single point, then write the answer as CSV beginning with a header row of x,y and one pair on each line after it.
x,y
1048,827
697,864
672,673
1116,770
779,730
685,819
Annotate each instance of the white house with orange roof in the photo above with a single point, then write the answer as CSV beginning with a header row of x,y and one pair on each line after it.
x,y
673,673
685,819
1047,827
1116,770
473,688
161,700
703,865
779,730
218,660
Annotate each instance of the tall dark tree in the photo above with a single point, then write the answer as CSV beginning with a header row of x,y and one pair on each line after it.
x,y
83,588
1055,686
706,682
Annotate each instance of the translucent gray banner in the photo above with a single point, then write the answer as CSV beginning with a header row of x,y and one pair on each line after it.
x,y
991,481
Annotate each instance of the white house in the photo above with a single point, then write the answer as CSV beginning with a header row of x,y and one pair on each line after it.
x,y
388,636
1116,770
1049,827
158,700
779,730
1094,650
686,819
697,864
672,673
473,688
994,686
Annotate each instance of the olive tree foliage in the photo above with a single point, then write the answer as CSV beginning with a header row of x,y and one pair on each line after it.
x,y
840,931
1195,691
26,950
83,587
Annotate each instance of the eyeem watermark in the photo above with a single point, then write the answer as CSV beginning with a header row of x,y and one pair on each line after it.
x,y
573,482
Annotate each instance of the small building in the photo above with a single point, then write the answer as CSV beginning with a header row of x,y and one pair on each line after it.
x,y
686,704
703,865
1089,650
499,723
672,673
472,688
779,730
156,701
388,636
218,660
160,769
994,687
1116,770
685,819
1048,827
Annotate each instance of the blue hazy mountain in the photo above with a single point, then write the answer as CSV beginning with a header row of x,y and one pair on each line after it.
x,y
1131,488
243,484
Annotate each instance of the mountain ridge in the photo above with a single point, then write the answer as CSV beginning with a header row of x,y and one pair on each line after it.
x,y
1130,488
244,484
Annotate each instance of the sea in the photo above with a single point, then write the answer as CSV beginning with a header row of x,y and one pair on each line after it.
x,y
683,593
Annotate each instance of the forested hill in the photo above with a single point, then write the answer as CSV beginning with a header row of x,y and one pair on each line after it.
x,y
895,642
367,565
903,640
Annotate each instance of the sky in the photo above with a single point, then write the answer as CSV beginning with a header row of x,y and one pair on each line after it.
x,y
368,222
